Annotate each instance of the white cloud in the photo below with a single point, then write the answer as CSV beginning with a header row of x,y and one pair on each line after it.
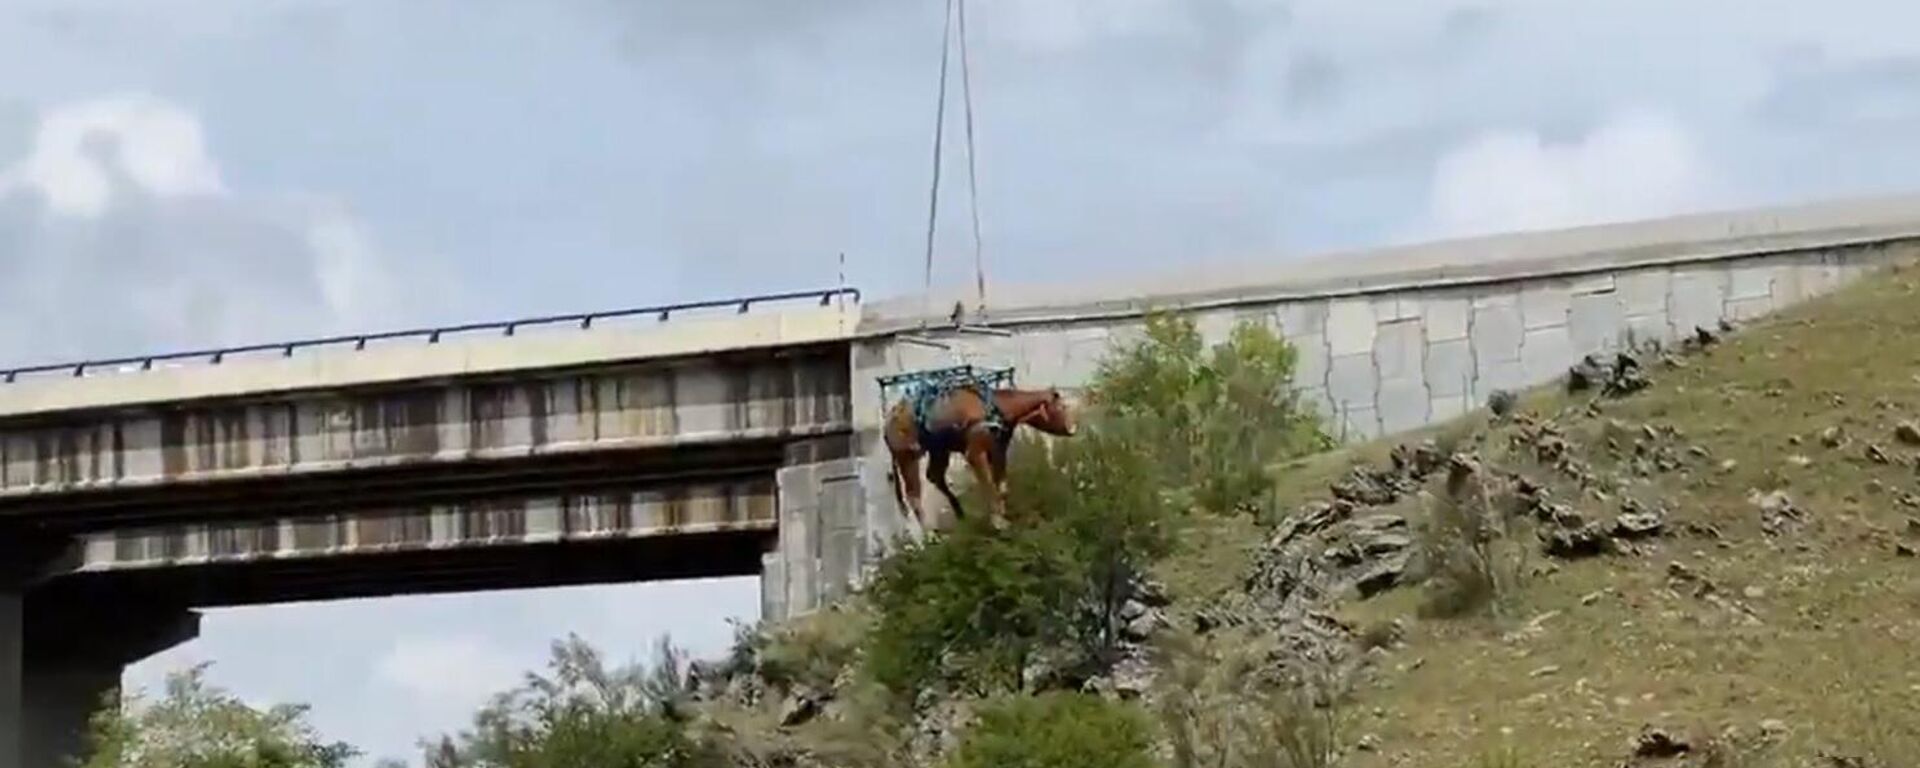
x,y
1637,164
120,195
81,146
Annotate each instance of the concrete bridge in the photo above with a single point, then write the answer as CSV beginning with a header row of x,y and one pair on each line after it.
x,y
645,444
729,438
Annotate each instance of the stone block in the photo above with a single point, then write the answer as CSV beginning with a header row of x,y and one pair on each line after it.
x,y
1546,354
1446,408
1395,307
1214,325
1317,399
1495,375
1791,284
1302,318
1043,360
1402,405
1496,334
1699,296
1595,322
1644,291
1449,367
1445,319
1544,304
1748,309
1398,348
1352,382
1641,329
773,587
1350,327
839,563
1750,280
1310,361
1357,424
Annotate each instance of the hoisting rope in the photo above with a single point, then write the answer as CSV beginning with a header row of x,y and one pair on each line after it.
x,y
947,40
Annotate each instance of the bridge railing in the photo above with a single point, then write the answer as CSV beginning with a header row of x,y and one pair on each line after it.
x,y
432,335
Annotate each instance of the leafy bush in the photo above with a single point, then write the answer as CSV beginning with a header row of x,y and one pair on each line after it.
x,y
1219,417
197,725
810,652
585,714
1057,730
971,609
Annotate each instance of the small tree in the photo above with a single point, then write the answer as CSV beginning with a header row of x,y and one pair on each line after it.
x,y
197,725
1221,416
585,714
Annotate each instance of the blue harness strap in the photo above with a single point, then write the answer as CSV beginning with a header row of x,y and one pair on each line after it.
x,y
922,392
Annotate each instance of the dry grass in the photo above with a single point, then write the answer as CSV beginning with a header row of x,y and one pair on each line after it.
x,y
1812,637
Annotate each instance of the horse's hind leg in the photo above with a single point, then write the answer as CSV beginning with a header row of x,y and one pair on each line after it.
x,y
906,488
937,474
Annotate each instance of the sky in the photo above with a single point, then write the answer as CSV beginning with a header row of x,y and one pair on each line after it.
x,y
191,172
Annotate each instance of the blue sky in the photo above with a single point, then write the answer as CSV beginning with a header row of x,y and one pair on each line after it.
x,y
186,172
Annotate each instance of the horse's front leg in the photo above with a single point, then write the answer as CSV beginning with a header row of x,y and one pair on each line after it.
x,y
990,475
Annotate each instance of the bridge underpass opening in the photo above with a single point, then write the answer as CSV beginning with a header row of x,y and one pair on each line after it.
x,y
132,574
382,672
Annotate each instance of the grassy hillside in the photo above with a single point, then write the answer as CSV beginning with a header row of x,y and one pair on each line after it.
x,y
1773,619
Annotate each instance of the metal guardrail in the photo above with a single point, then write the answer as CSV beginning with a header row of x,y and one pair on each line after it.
x,y
433,334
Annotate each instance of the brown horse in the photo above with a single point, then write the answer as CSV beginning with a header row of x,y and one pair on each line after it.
x,y
956,421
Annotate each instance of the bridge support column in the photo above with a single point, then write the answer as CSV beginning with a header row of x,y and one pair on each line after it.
x,y
819,556
58,663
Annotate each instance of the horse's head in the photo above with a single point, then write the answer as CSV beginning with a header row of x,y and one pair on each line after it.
x,y
1052,415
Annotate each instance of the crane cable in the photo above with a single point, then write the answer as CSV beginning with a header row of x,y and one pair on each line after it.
x,y
939,136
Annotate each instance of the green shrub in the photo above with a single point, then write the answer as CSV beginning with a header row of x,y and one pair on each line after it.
x,y
1219,417
1057,730
971,609
586,714
810,652
197,725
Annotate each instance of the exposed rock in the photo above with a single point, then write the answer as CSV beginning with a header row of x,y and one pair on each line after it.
x,y
1833,437
1638,521
1658,743
1877,455
799,708
1502,402
1382,576
1908,433
1585,541
1778,513
1904,550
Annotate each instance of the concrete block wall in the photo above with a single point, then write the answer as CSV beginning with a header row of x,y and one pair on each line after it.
x,y
1386,361
818,556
